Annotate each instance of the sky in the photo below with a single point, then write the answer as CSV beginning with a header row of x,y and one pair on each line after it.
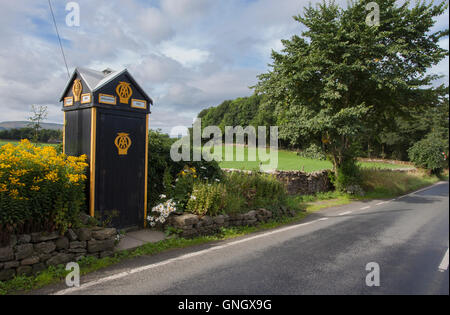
x,y
187,54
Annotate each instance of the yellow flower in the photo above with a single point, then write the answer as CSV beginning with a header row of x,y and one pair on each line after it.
x,y
14,193
52,176
35,188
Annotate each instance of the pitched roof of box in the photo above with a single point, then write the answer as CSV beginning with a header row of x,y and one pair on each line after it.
x,y
95,80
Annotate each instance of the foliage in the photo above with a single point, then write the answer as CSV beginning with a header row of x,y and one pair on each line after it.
x,y
44,135
348,177
38,114
39,189
429,154
208,199
237,193
381,184
313,152
342,80
163,171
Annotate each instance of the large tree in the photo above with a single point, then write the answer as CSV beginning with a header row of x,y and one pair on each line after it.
x,y
342,80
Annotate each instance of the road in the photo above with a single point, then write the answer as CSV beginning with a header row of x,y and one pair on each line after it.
x,y
407,237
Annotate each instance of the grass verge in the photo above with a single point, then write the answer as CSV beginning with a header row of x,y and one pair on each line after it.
x,y
378,184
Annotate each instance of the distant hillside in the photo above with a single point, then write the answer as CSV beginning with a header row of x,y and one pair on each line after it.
x,y
23,124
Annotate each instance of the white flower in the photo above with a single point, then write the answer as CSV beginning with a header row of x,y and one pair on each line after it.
x,y
162,196
193,197
203,168
152,224
218,180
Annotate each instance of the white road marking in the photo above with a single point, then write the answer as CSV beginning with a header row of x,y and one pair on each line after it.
x,y
381,203
182,257
365,208
345,213
444,263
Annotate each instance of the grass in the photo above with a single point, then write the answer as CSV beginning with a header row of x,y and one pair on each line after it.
x,y
3,142
380,185
289,160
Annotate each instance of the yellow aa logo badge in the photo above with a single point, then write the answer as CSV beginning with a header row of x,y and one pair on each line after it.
x,y
124,91
77,88
123,143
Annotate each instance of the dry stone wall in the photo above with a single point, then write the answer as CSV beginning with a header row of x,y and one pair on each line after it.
x,y
191,225
28,254
300,183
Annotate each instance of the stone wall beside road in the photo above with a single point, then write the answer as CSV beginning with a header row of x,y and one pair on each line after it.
x,y
28,254
300,183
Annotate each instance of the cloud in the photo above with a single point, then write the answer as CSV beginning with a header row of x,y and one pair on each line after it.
x,y
187,54
155,25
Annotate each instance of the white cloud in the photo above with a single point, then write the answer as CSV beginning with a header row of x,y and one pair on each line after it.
x,y
187,54
188,57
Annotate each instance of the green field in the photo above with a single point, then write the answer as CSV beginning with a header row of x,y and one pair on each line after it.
x,y
3,142
288,160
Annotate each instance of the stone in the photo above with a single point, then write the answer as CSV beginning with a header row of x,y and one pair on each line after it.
x,y
24,239
76,244
95,246
30,261
11,264
62,243
24,251
250,215
61,258
7,274
38,268
207,221
185,220
45,257
6,253
219,219
84,234
71,235
24,271
12,240
45,247
43,237
104,234
77,250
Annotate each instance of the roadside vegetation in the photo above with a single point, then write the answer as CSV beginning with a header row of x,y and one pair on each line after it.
x,y
384,184
289,160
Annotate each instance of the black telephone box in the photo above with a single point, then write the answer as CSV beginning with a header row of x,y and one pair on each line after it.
x,y
106,117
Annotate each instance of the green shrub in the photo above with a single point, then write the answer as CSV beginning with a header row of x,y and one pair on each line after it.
x,y
258,190
39,188
238,193
428,154
210,199
163,171
313,152
348,176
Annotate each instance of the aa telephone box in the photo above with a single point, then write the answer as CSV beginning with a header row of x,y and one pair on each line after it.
x,y
106,117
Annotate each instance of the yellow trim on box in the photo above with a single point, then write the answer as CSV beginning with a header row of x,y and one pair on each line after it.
x,y
133,100
146,170
65,101
92,162
109,103
64,134
86,94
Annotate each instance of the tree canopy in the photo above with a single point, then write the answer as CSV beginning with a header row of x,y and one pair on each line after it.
x,y
342,80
